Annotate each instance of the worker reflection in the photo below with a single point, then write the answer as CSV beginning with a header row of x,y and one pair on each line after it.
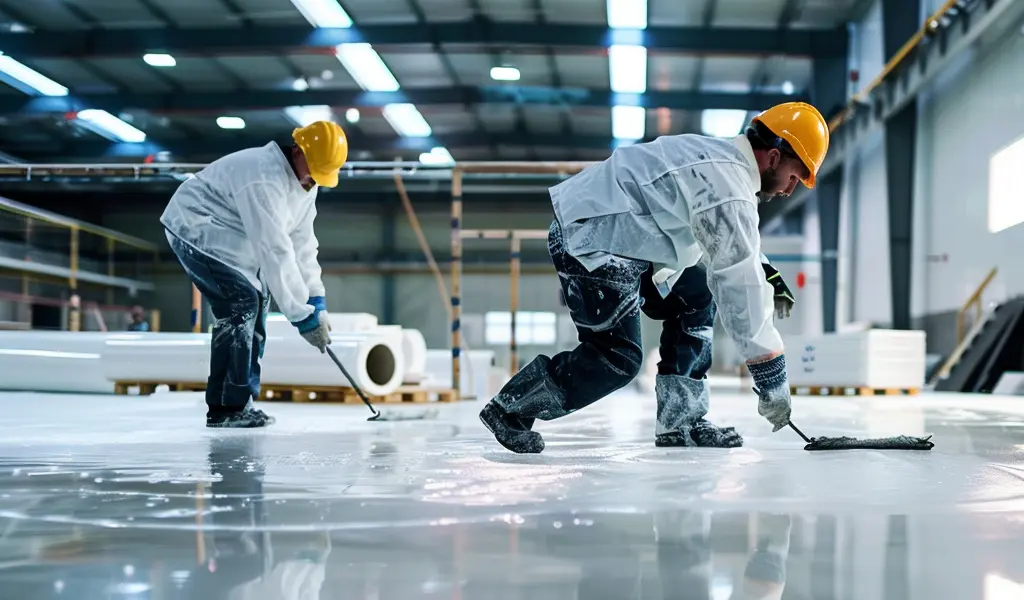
x,y
685,558
137,320
240,565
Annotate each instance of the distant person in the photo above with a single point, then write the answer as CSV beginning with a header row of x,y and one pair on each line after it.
x,y
243,230
669,228
137,320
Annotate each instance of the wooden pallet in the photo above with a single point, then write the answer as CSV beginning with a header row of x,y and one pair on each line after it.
x,y
276,393
336,395
833,390
145,388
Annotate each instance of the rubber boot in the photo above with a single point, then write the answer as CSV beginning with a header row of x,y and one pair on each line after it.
x,y
529,395
682,405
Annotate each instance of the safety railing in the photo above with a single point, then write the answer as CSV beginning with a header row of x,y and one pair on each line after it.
x,y
973,301
45,248
930,24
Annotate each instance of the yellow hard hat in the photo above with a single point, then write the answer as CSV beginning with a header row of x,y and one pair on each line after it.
x,y
803,127
326,149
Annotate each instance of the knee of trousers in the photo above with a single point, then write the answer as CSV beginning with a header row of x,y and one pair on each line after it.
x,y
625,361
532,394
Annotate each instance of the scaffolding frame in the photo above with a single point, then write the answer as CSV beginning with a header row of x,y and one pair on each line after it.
x,y
514,237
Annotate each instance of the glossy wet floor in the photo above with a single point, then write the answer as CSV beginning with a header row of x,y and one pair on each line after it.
x,y
120,497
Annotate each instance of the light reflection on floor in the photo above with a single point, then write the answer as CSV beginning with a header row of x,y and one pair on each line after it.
x,y
115,497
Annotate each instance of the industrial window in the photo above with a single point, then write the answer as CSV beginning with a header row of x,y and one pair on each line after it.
x,y
1005,201
532,328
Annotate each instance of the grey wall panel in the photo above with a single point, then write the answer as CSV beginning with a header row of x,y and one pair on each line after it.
x,y
968,120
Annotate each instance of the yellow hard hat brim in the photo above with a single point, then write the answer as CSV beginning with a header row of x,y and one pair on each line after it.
x,y
327,179
810,181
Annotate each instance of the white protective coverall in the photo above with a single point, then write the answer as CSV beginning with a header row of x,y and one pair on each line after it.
x,y
669,202
249,211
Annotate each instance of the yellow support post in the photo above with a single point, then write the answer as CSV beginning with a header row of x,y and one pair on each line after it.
x,y
456,340
75,315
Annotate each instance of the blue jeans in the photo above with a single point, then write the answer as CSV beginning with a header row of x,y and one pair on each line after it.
x,y
605,305
239,330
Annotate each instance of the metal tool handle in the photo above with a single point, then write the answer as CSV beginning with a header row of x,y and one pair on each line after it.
x,y
362,396
800,433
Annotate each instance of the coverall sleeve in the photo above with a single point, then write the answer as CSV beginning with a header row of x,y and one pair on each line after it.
x,y
263,212
727,231
306,246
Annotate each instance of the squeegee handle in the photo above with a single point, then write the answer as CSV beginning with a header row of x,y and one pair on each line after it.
x,y
800,433
358,390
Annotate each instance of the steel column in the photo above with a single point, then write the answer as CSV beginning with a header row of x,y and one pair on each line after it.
x,y
900,20
829,96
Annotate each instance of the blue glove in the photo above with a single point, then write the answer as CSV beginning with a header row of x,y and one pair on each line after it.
x,y
772,388
314,330
318,302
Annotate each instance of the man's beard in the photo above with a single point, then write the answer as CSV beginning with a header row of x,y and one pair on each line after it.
x,y
770,180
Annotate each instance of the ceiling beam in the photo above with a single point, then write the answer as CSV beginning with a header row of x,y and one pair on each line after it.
x,y
219,146
198,102
478,32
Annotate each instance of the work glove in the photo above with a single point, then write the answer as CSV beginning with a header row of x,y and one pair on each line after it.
x,y
783,297
315,330
772,388
320,303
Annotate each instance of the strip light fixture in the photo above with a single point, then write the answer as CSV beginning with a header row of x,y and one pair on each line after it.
x,y
627,69
29,81
367,68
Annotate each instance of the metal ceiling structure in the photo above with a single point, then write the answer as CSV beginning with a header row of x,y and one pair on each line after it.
x,y
252,59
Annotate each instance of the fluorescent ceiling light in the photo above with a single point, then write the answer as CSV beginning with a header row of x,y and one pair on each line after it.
x,y
103,123
787,87
323,13
299,84
504,73
627,69
352,115
230,123
366,67
627,14
304,115
159,60
629,122
406,120
437,156
28,80
720,122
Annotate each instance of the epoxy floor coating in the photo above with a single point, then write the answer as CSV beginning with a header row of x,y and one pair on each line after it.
x,y
127,497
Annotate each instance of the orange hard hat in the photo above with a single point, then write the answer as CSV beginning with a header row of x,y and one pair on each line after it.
x,y
804,129
325,147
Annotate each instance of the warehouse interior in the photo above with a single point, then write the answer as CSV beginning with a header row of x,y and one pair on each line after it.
x,y
459,116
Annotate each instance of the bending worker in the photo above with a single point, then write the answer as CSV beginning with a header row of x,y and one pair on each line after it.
x,y
669,227
243,230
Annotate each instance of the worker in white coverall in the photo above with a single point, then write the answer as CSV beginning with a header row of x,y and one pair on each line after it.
x,y
243,230
670,228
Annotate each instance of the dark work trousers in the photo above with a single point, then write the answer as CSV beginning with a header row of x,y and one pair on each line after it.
x,y
605,305
688,321
239,330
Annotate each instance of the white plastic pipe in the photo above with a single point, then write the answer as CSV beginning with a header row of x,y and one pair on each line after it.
x,y
53,361
157,358
414,351
374,360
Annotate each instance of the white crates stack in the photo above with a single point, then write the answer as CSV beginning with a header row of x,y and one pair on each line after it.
x,y
877,358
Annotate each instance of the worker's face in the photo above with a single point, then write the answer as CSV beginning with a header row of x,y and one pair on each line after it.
x,y
302,169
781,175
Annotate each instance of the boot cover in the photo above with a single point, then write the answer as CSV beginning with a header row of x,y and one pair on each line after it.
x,y
510,432
682,405
531,394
